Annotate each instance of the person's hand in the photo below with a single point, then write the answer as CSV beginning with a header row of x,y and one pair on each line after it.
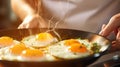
x,y
113,26
33,21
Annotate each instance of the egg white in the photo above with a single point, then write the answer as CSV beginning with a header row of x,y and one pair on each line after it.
x,y
31,41
62,51
5,54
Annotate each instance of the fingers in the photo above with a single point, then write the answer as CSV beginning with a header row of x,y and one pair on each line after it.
x,y
33,21
24,24
111,26
29,22
21,26
28,25
115,46
118,34
116,43
103,26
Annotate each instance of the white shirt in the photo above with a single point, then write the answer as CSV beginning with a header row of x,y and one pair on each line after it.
x,y
87,15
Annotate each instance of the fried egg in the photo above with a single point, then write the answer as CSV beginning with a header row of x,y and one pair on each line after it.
x,y
40,40
7,41
70,49
21,52
12,52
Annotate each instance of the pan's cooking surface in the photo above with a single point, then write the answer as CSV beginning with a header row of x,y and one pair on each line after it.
x,y
65,34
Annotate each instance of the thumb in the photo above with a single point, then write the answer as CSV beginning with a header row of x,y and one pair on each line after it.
x,y
103,26
118,34
113,24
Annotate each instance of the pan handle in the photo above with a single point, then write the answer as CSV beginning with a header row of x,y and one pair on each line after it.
x,y
110,57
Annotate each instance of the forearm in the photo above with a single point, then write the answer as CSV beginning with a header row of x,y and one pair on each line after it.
x,y
23,8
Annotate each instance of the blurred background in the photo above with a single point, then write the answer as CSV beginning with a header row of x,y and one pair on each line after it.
x,y
7,17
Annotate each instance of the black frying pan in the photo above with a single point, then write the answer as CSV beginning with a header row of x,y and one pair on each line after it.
x,y
65,34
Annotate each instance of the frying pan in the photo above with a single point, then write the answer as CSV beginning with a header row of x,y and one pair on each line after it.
x,y
18,34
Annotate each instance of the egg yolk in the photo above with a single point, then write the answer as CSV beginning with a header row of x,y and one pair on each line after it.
x,y
78,47
32,53
6,41
44,36
71,42
75,46
17,49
